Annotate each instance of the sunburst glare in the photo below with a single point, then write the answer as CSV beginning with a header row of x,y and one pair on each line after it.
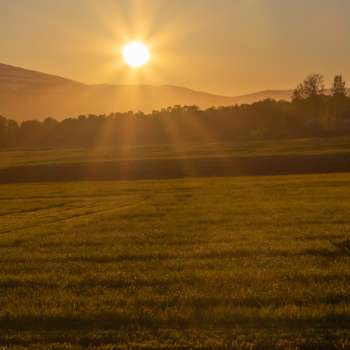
x,y
136,54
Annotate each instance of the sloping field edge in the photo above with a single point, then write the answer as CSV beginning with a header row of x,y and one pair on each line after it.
x,y
178,168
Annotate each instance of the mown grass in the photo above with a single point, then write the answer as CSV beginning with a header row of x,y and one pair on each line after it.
x,y
250,263
311,146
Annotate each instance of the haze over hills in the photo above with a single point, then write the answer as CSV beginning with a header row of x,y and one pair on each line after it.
x,y
26,94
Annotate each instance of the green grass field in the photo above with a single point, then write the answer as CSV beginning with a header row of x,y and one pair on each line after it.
x,y
312,146
251,263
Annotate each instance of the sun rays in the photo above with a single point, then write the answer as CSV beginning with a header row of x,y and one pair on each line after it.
x,y
136,38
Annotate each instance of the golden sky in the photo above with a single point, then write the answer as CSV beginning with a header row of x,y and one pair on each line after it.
x,y
227,47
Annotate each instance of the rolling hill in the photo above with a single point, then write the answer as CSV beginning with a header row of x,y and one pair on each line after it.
x,y
26,94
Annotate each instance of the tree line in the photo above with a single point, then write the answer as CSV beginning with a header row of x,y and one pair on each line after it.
x,y
312,111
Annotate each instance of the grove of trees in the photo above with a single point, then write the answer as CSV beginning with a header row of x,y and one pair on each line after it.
x,y
313,111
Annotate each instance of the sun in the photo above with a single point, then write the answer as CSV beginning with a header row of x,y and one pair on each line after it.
x,y
136,54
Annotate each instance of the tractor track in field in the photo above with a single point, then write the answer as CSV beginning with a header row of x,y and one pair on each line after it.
x,y
89,214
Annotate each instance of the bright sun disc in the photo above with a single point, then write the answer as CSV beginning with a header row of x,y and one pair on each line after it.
x,y
136,54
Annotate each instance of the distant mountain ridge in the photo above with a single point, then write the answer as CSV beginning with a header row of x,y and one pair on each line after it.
x,y
27,94
18,78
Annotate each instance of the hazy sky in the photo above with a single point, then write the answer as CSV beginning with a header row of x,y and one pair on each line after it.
x,y
222,46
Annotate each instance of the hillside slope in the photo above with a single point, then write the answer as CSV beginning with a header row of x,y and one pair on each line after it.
x,y
26,94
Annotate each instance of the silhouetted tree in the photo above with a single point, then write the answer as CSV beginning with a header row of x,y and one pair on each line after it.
x,y
311,87
310,94
311,113
338,104
3,130
339,86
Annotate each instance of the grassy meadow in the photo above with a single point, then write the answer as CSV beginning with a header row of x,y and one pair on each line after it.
x,y
245,262
309,146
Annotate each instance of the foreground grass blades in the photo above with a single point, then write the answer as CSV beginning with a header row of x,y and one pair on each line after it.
x,y
204,263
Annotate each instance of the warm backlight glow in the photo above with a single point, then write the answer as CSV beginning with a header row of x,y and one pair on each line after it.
x,y
136,54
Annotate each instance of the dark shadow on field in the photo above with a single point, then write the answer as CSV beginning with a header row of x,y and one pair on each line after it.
x,y
230,254
168,283
203,339
173,168
148,321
